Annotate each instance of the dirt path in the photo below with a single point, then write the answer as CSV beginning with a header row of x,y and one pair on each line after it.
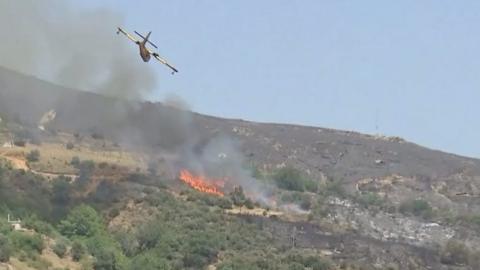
x,y
16,162
20,163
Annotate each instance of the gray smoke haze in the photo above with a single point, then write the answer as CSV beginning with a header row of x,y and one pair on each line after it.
x,y
80,49
221,158
75,48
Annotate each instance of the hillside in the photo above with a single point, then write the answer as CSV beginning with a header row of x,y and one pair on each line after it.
x,y
355,200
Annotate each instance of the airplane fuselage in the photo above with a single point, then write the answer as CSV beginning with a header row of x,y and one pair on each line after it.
x,y
144,53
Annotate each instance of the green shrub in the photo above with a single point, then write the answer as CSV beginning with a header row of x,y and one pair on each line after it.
x,y
27,242
37,262
237,196
83,220
306,203
105,260
289,178
75,162
370,199
61,191
310,261
85,172
417,207
69,145
149,261
322,265
20,142
472,221
455,253
60,249
33,156
5,249
249,204
77,251
102,165
40,226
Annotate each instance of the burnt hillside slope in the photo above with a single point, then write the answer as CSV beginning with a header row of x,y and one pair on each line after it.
x,y
339,154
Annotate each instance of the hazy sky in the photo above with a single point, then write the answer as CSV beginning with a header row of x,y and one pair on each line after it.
x,y
412,67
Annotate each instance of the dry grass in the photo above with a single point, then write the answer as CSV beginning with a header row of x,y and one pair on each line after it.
x,y
55,158
254,211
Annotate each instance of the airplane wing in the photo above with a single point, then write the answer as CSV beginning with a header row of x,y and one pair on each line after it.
x,y
163,61
120,30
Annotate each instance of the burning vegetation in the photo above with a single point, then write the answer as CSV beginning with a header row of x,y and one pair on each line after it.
x,y
202,183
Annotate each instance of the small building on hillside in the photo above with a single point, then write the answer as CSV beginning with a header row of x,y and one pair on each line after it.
x,y
15,224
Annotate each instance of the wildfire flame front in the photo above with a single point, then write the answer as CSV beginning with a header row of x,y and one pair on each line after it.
x,y
200,183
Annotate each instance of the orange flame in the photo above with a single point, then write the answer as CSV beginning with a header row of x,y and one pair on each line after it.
x,y
200,183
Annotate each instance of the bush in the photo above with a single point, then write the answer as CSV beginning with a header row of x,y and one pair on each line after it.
x,y
26,242
61,191
69,145
102,165
114,212
417,207
75,162
249,204
33,156
5,249
370,199
149,261
321,265
38,225
455,253
105,260
310,261
60,249
97,135
306,203
77,251
86,169
237,196
83,220
20,143
289,178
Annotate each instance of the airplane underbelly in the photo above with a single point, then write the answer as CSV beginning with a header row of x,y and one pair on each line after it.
x,y
145,55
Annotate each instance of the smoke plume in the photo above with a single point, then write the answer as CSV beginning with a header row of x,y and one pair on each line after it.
x,y
76,48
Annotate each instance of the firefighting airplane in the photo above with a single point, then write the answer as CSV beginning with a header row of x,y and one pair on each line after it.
x,y
145,52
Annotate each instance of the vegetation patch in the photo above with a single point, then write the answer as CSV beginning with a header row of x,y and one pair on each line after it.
x,y
417,207
289,178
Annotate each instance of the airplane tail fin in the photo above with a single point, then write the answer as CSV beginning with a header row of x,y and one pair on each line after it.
x,y
145,39
148,36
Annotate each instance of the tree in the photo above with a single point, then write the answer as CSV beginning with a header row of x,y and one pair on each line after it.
x,y
83,220
86,169
237,196
61,191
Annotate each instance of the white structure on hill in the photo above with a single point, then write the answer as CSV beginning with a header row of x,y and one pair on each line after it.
x,y
15,224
